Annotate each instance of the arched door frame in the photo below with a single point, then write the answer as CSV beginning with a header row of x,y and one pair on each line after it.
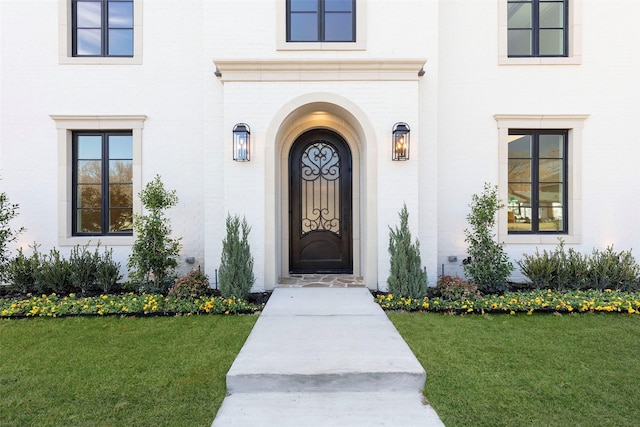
x,y
331,111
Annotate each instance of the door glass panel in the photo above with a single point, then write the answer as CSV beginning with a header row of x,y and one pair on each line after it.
x,y
320,188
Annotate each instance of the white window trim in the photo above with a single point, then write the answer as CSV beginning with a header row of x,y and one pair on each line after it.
x,y
66,124
359,44
575,39
574,123
65,37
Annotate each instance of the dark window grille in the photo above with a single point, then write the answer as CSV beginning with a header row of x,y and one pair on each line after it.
x,y
538,28
102,180
321,20
538,188
102,28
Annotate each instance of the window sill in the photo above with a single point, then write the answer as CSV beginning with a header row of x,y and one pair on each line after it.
x,y
94,240
99,60
321,46
568,60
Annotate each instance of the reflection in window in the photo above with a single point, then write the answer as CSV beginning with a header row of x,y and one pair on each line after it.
x,y
102,27
103,183
537,28
321,20
537,167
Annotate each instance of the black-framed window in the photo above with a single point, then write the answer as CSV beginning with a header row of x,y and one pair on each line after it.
x,y
537,170
538,28
102,27
321,20
102,183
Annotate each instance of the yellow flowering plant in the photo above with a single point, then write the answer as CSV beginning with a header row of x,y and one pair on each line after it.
x,y
541,301
129,304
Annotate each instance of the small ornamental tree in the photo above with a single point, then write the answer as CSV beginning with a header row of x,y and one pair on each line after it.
x,y
406,278
488,265
8,211
236,264
152,261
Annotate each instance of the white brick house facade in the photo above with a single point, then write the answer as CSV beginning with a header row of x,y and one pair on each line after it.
x,y
442,66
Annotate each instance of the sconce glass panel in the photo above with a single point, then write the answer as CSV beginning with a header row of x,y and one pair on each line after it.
x,y
400,142
241,142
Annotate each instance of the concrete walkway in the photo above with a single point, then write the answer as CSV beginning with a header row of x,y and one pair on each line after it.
x,y
325,357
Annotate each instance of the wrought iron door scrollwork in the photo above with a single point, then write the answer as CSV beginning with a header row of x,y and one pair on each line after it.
x,y
320,188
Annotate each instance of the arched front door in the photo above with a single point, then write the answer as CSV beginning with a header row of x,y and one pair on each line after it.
x,y
320,211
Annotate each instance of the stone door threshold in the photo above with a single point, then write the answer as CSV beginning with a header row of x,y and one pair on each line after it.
x,y
321,281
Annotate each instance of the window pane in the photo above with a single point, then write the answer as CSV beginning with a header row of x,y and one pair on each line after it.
x,y
89,14
89,221
551,146
304,27
120,14
121,195
551,42
550,194
338,5
519,170
519,15
89,147
520,146
88,42
519,207
120,147
338,27
551,15
551,170
304,5
89,171
89,196
121,42
120,171
519,43
120,220
520,194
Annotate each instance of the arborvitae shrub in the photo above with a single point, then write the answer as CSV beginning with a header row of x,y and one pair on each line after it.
x,y
236,264
406,278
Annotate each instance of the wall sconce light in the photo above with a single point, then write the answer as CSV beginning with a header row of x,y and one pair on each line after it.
x,y
400,147
241,142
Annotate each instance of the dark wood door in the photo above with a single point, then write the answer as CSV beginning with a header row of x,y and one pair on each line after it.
x,y
320,211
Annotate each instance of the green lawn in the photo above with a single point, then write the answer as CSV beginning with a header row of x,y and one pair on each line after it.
x,y
539,370
86,371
